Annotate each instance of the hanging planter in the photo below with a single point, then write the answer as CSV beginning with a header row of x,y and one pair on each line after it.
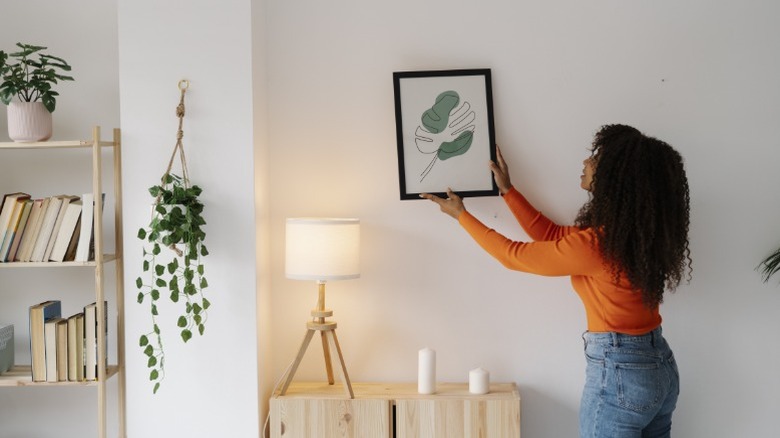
x,y
173,257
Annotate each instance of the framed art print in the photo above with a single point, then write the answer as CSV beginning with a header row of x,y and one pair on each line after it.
x,y
445,132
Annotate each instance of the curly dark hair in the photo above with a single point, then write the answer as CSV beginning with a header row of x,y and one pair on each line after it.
x,y
639,210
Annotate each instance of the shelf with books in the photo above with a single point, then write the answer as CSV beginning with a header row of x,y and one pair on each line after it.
x,y
21,375
57,228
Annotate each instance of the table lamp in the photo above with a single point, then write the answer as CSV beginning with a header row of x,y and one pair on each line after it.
x,y
322,249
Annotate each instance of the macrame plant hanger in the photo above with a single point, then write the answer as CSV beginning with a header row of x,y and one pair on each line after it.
x,y
178,149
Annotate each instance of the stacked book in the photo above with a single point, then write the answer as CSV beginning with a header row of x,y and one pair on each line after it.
x,y
63,349
56,228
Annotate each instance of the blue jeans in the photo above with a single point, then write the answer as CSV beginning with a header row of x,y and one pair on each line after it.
x,y
631,386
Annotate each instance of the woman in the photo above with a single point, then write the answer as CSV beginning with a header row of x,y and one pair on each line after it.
x,y
629,245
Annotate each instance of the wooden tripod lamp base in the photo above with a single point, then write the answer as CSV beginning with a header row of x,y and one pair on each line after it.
x,y
330,342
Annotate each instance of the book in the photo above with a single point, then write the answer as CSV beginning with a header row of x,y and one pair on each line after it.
x,y
12,230
9,202
36,219
90,339
85,250
62,350
68,226
32,219
50,347
47,226
5,211
6,207
39,314
87,224
66,200
26,210
76,347
70,253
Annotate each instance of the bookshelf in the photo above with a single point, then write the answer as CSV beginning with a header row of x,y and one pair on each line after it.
x,y
20,374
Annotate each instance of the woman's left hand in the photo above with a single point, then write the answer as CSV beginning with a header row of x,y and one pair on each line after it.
x,y
453,205
501,173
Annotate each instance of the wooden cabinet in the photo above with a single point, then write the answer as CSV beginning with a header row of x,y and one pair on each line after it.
x,y
395,410
20,375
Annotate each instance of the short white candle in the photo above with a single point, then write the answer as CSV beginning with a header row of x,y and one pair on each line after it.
x,y
479,381
426,371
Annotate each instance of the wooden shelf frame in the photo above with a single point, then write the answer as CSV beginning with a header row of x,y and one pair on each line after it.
x,y
54,144
21,375
90,264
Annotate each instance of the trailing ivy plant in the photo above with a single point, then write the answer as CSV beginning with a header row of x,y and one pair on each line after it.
x,y
176,224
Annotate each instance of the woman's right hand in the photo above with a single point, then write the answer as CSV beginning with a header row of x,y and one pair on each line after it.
x,y
453,205
501,173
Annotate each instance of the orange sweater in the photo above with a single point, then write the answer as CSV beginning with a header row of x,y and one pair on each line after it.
x,y
566,250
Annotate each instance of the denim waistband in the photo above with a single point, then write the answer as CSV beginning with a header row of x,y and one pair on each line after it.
x,y
616,339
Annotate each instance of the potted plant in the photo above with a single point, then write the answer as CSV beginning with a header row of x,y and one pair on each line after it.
x,y
176,225
29,75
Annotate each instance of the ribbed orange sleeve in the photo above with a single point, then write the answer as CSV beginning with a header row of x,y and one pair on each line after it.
x,y
566,251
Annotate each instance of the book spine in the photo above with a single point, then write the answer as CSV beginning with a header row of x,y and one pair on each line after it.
x,y
90,342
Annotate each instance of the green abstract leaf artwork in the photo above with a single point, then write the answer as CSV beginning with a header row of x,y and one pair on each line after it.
x,y
446,129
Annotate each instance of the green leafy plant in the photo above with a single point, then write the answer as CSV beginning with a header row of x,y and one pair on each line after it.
x,y
770,265
30,74
176,224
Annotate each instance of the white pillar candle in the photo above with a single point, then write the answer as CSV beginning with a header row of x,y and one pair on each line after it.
x,y
479,381
426,371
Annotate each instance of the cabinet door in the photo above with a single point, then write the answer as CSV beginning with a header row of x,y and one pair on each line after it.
x,y
317,418
463,418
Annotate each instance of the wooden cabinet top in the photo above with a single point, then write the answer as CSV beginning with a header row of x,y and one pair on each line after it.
x,y
396,391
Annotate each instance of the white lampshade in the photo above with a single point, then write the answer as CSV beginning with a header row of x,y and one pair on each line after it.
x,y
322,249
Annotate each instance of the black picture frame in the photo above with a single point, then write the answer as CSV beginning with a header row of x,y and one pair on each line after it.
x,y
445,132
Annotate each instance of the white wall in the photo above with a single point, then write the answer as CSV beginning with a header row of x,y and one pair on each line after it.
x,y
211,385
700,75
265,366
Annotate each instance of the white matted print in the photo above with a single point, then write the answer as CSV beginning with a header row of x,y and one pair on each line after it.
x,y
445,133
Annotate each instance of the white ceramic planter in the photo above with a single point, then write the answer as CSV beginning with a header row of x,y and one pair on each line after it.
x,y
28,121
